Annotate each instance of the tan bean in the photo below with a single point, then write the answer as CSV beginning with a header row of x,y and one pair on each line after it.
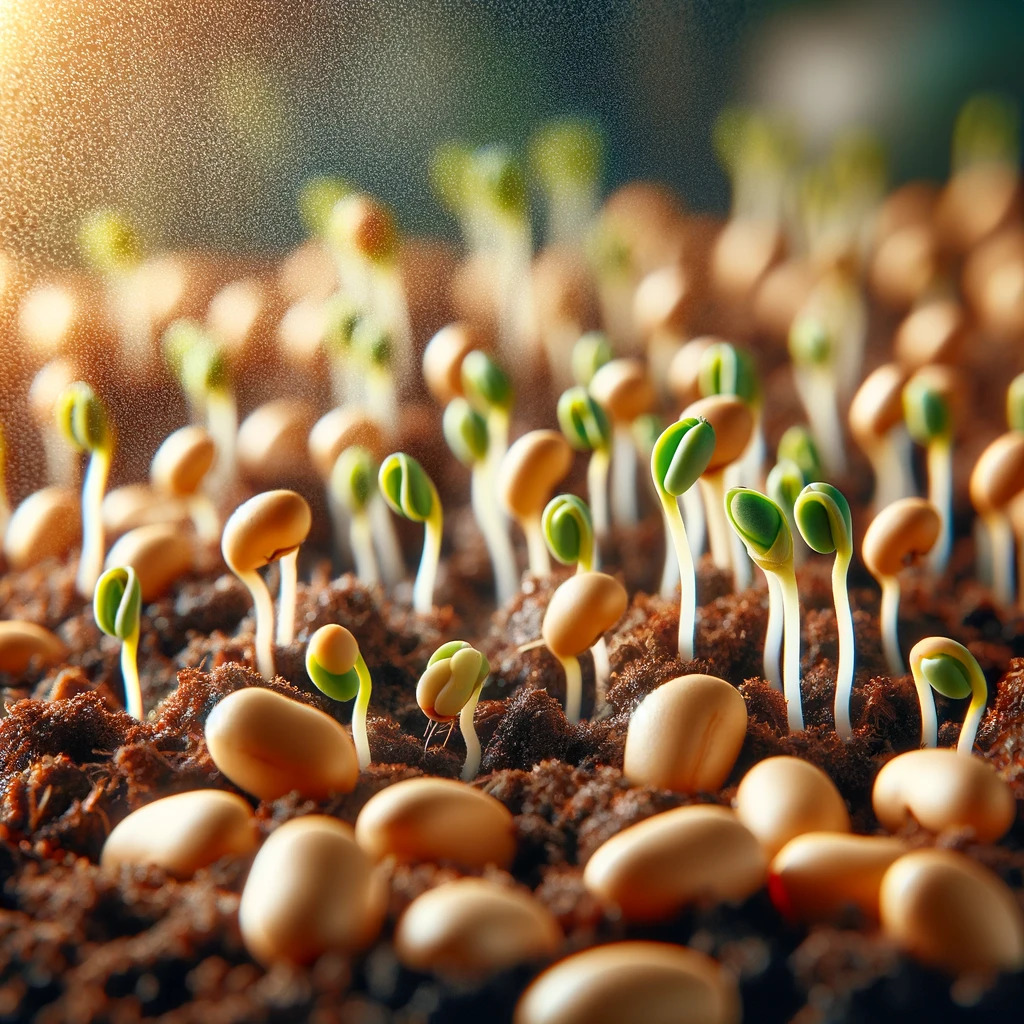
x,y
47,524
442,360
950,912
183,833
632,981
653,869
998,475
733,422
341,428
269,745
264,528
182,460
532,468
976,202
818,876
783,797
437,820
160,554
21,642
877,406
51,316
300,334
933,332
238,316
686,735
580,610
899,535
131,505
780,295
273,441
743,253
624,389
942,789
333,648
472,928
663,301
311,891
905,264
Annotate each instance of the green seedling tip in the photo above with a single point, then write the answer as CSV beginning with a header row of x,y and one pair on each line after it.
x,y
82,418
317,198
449,174
987,130
339,686
589,354
465,430
373,342
568,529
109,242
797,445
567,153
784,484
727,370
1015,403
761,525
681,454
926,412
117,602
485,383
823,517
406,487
498,180
340,318
354,478
810,342
583,421
204,370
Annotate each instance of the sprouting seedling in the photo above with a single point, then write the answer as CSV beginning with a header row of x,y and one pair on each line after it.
x,y
928,408
340,318
317,198
533,466
336,667
762,527
823,517
812,348
46,388
178,469
996,481
566,156
267,528
116,606
466,432
584,607
449,178
724,369
353,483
797,445
82,418
681,454
899,535
587,428
489,391
569,531
373,346
589,354
411,493
940,664
783,485
450,686
986,132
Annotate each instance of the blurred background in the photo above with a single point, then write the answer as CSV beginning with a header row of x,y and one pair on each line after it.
x,y
201,118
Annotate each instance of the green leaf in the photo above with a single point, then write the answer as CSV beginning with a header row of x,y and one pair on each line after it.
x,y
117,602
406,487
948,675
681,454
343,686
82,418
341,316
583,421
485,383
465,430
498,181
810,342
761,526
354,478
568,528
823,517
784,484
567,154
589,354
797,445
727,370
926,412
373,342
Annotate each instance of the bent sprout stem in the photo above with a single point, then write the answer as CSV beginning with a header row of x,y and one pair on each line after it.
x,y
263,605
940,494
941,664
587,428
890,624
430,559
117,602
93,487
286,594
573,686
597,489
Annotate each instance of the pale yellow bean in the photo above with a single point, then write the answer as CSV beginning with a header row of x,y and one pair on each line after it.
x,y
684,369
686,735
877,405
623,389
21,642
648,982
998,475
264,528
942,789
899,534
662,302
783,797
933,332
733,422
47,524
341,428
269,745
442,360
273,441
471,928
531,469
183,833
580,610
131,505
950,912
311,891
160,554
437,820
818,876
653,869
182,460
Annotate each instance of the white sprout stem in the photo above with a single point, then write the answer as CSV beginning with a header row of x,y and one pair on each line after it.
x,y
469,736
287,595
597,490
773,634
696,523
791,649
847,646
536,549
889,620
969,730
342,378
624,469
426,575
516,297
570,213
687,577
890,462
90,563
204,517
499,547
361,534
339,527
497,440
222,422
573,687
389,295
940,494
742,566
264,609
929,722
381,400
602,673
130,674
997,529
669,573
712,488
359,736
389,551
61,460
135,331
817,390
751,463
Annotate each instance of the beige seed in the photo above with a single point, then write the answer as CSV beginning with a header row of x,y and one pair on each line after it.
x,y
132,505
183,833
663,301
905,263
269,745
264,528
182,460
311,891
49,383
239,316
950,912
160,554
333,648
743,253
21,642
998,475
976,202
942,789
532,468
899,535
623,388
649,982
273,441
47,524
580,610
780,295
877,406
733,422
686,735
471,928
783,797
442,360
341,428
818,876
933,332
437,820
653,869
684,368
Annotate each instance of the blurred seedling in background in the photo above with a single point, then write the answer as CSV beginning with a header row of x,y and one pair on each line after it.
x,y
117,605
373,349
587,428
450,687
940,664
592,351
353,484
336,667
812,349
177,471
49,383
487,388
997,481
